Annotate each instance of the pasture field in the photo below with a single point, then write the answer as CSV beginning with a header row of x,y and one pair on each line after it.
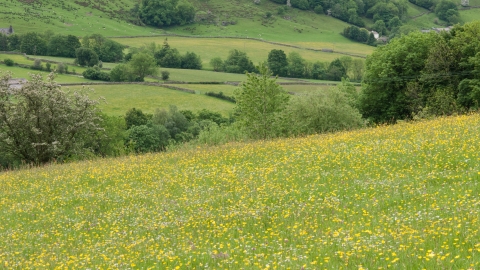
x,y
18,72
401,197
257,51
120,98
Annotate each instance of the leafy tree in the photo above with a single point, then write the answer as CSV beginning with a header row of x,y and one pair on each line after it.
x,y
122,73
336,71
94,73
185,13
326,111
296,65
318,9
86,57
380,27
358,67
447,11
318,71
54,124
106,49
191,61
148,138
277,62
135,117
165,75
9,62
65,46
14,42
143,64
391,73
33,43
160,12
216,63
260,101
3,42
238,62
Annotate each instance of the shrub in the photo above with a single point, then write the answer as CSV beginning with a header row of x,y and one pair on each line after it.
x,y
37,65
9,62
165,75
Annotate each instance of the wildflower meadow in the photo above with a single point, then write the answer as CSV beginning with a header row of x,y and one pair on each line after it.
x,y
403,197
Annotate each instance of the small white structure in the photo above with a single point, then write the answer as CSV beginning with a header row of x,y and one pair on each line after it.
x,y
465,3
375,34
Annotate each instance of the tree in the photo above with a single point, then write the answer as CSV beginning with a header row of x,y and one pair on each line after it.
x,y
446,9
86,57
122,73
54,124
135,117
159,12
191,61
238,62
64,46
260,101
216,63
33,43
336,71
143,64
277,62
296,65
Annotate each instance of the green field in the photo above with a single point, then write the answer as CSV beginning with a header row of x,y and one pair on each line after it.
x,y
209,48
120,98
399,197
18,72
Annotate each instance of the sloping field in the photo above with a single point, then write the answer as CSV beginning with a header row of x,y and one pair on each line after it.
x,y
122,97
403,196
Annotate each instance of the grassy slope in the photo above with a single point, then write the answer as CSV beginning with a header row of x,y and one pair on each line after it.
x,y
120,98
403,196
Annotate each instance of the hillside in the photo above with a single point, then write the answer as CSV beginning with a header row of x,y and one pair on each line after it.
x,y
399,196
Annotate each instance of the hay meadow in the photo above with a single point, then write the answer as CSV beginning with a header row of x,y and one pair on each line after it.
x,y
400,197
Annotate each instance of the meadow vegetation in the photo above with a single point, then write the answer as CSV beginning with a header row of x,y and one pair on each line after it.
x,y
401,196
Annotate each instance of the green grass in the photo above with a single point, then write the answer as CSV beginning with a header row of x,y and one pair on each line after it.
x,y
208,48
18,72
120,98
399,197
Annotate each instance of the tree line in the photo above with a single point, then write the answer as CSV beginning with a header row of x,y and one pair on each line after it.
x,y
423,74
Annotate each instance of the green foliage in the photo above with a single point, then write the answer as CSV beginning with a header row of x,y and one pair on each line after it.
x,y
217,64
64,46
122,73
336,71
318,9
148,138
238,62
135,117
86,57
143,64
3,42
55,125
106,49
94,73
357,34
110,140
260,102
325,111
296,65
423,75
9,62
277,62
191,61
33,43
37,65
166,12
165,75
447,11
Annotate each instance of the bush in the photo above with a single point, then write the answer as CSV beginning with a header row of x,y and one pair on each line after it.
x,y
96,74
61,68
9,62
48,67
37,65
318,9
221,96
165,75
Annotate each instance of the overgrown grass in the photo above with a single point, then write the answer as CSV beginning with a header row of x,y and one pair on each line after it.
x,y
120,98
403,196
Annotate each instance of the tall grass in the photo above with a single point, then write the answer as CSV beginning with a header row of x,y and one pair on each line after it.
x,y
403,197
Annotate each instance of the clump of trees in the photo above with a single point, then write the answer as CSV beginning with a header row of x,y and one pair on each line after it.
x,y
421,75
360,35
295,66
160,13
